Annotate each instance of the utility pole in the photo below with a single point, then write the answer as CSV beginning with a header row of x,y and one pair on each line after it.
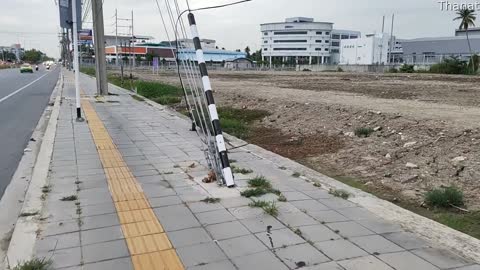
x,y
101,69
383,38
75,61
133,45
116,37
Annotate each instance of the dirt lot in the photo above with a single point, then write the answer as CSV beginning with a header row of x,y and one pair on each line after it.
x,y
426,126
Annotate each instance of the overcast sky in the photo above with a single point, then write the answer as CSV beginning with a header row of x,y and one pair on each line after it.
x,y
34,23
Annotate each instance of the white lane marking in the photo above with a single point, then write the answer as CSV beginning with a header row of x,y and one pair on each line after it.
x,y
17,91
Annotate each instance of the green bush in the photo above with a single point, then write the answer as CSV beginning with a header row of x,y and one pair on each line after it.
x,y
445,197
156,89
475,61
407,68
88,70
393,70
452,65
34,264
167,100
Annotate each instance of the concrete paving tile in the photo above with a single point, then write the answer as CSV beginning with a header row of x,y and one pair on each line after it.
x,y
199,207
105,251
358,213
222,265
176,217
327,216
340,249
227,230
61,241
471,267
298,255
65,257
309,205
117,264
60,227
349,229
98,209
375,244
247,212
145,173
296,219
318,233
295,196
102,235
214,217
406,261
200,254
380,226
235,202
189,237
261,224
440,258
95,222
406,240
280,238
259,261
368,262
241,246
164,201
337,203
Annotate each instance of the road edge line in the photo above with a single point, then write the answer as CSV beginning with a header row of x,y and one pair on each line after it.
x,y
21,246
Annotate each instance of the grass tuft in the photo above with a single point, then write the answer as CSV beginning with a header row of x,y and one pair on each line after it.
x,y
137,98
363,132
34,264
259,182
296,174
445,197
282,198
235,169
211,200
253,192
69,198
340,193
269,207
46,189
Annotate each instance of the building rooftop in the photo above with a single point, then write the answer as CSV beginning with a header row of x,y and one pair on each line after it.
x,y
439,38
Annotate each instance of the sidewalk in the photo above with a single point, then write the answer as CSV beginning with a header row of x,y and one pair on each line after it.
x,y
126,193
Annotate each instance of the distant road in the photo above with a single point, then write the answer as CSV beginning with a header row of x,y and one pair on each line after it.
x,y
23,98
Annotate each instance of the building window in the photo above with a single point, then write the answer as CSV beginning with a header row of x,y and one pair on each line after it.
x,y
319,33
265,49
265,34
327,41
318,49
266,41
290,41
353,36
335,51
335,36
335,43
288,26
327,33
344,36
318,41
291,33
289,49
326,49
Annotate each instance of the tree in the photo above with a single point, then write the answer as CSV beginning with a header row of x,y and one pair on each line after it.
x,y
8,56
32,56
467,18
149,57
247,51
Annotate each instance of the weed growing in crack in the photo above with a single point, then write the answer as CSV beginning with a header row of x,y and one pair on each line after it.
x,y
46,189
269,207
28,214
340,193
70,198
241,170
211,200
282,198
259,182
296,174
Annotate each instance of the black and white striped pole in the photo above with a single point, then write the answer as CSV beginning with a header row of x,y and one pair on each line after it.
x,y
222,150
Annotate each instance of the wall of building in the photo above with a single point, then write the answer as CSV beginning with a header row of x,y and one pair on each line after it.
x,y
369,50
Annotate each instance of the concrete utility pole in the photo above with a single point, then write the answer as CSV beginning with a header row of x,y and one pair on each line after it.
x,y
133,45
391,37
76,65
101,69
116,38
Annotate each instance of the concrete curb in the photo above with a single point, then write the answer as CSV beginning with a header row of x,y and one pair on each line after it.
x,y
435,233
24,236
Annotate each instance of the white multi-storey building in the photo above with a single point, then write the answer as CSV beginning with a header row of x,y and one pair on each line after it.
x,y
300,40
370,50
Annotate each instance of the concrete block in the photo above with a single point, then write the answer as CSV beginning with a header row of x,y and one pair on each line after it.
x,y
227,230
375,244
440,258
200,254
102,235
368,262
189,237
406,240
298,255
280,238
327,216
340,250
260,224
214,217
349,229
259,261
406,261
241,246
318,233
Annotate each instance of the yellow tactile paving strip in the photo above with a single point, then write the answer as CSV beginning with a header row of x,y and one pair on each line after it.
x,y
146,240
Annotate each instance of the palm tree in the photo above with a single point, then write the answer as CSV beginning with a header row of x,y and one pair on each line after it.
x,y
467,18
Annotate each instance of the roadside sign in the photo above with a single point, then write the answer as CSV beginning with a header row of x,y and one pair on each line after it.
x,y
65,9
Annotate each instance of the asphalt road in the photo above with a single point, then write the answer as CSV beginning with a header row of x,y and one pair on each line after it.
x,y
23,98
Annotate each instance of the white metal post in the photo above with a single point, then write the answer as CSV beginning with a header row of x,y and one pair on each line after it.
x,y
75,60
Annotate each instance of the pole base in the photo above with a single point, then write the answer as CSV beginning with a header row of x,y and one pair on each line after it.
x,y
194,128
79,115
